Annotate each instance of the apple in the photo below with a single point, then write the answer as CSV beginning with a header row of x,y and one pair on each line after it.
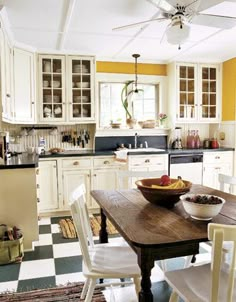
x,y
165,180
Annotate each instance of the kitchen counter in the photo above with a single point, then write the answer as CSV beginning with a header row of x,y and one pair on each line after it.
x,y
21,161
26,160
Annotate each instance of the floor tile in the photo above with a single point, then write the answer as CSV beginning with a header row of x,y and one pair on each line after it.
x,y
66,249
55,228
44,220
44,239
57,238
37,269
65,278
45,229
40,252
36,283
68,265
10,286
9,272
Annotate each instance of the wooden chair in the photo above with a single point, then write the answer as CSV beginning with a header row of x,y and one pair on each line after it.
x,y
210,282
226,183
100,261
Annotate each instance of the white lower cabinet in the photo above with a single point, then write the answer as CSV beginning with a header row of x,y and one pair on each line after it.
x,y
48,189
215,163
71,180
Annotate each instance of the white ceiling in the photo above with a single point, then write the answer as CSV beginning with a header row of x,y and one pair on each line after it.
x,y
85,27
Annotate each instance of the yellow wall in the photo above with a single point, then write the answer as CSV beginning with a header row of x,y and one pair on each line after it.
x,y
229,90
121,67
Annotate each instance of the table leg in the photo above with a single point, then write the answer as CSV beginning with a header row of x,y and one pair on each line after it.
x,y
103,235
146,264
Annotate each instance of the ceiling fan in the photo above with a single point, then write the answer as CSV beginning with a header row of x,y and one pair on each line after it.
x,y
182,14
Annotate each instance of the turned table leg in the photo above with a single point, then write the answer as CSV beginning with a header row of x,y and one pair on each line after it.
x,y
103,235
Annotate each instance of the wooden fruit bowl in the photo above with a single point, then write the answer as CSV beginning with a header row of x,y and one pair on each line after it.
x,y
161,197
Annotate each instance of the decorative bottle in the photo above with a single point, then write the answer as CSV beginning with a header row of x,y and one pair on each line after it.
x,y
197,140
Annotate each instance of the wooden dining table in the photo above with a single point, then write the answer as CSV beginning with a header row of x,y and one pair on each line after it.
x,y
155,232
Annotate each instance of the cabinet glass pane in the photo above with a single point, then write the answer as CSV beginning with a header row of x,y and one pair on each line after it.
x,y
205,100
191,98
205,86
190,73
213,99
181,111
183,98
183,86
191,85
183,72
213,86
56,64
205,112
213,73
212,111
205,73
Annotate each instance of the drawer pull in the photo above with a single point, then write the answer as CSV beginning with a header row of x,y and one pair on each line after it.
x,y
106,162
38,186
147,160
75,163
217,157
37,171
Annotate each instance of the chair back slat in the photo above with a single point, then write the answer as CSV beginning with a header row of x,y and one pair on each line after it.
x,y
227,180
126,179
80,217
220,234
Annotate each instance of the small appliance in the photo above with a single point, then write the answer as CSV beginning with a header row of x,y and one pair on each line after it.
x,y
177,142
4,145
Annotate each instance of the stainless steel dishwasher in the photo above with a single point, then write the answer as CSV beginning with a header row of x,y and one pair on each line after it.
x,y
188,166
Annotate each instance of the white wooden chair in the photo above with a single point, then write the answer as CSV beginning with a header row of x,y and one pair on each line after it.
x,y
210,282
100,261
227,183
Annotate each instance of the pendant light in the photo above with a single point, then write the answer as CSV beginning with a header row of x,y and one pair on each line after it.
x,y
136,56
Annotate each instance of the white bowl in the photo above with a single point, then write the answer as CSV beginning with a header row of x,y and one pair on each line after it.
x,y
201,211
82,84
55,84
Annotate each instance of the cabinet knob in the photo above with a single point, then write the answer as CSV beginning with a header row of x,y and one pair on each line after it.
x,y
106,162
38,200
147,160
75,163
38,186
37,171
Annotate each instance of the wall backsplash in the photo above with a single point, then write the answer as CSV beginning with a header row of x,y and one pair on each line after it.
x,y
19,141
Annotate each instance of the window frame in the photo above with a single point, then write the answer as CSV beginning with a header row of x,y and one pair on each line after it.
x,y
161,81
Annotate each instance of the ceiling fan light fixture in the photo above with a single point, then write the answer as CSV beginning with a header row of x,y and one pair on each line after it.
x,y
177,34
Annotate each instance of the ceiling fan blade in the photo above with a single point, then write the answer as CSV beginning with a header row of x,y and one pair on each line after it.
x,y
223,22
138,24
164,6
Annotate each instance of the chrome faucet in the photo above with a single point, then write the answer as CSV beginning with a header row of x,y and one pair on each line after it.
x,y
136,141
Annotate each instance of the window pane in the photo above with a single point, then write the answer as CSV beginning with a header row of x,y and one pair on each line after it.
x,y
142,105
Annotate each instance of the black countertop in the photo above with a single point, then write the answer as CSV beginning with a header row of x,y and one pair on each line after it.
x,y
25,160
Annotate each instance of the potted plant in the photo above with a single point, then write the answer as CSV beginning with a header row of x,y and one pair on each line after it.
x,y
162,118
125,98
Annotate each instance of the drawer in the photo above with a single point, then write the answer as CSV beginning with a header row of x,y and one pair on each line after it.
x,y
217,157
105,162
147,160
76,163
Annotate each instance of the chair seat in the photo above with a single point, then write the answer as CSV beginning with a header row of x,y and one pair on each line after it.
x,y
114,261
194,283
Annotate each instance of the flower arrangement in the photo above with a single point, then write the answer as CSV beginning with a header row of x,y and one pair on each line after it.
x,y
162,117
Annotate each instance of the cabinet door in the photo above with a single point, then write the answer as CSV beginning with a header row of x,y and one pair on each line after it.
x,y
103,179
6,79
48,190
71,180
211,173
80,88
187,92
208,92
52,88
24,81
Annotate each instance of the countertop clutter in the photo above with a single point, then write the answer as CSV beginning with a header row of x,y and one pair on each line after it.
x,y
26,160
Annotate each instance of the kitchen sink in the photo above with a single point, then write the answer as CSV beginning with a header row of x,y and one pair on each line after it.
x,y
146,150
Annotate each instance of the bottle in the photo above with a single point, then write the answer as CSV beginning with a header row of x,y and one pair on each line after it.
x,y
188,140
197,140
192,141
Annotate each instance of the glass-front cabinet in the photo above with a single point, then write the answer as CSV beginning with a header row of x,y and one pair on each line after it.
x,y
197,93
66,88
52,88
80,88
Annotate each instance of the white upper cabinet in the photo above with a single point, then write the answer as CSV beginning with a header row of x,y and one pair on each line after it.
x,y
51,89
17,83
66,89
196,90
24,86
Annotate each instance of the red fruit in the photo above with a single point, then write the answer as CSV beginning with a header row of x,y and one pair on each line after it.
x,y
165,180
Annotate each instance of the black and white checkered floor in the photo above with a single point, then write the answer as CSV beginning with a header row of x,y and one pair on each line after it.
x,y
57,261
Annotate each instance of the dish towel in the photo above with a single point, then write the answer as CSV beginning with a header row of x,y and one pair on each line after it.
x,y
121,155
